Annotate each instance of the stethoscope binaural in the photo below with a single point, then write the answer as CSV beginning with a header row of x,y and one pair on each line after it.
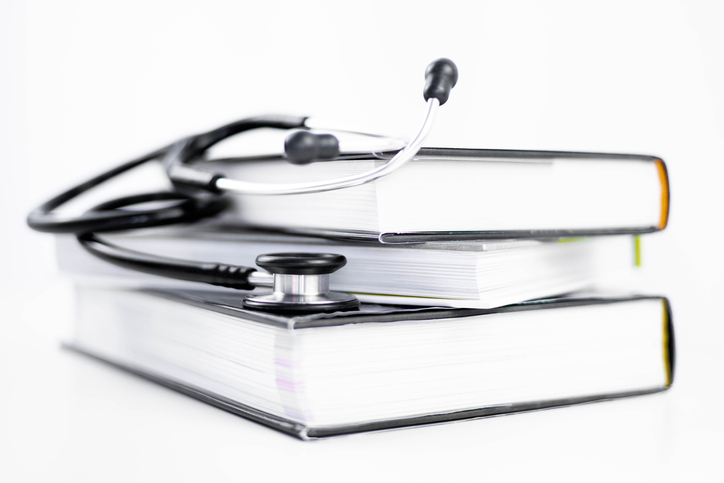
x,y
300,281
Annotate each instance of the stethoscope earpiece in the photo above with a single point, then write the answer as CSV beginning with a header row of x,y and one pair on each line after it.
x,y
301,284
440,77
304,147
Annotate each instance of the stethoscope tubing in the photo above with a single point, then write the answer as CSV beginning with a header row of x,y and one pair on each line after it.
x,y
199,193
398,160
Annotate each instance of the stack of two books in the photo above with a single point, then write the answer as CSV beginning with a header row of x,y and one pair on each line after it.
x,y
470,265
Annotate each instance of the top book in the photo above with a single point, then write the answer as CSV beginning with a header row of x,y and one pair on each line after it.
x,y
466,194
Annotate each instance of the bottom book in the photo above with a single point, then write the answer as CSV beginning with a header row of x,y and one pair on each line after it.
x,y
380,367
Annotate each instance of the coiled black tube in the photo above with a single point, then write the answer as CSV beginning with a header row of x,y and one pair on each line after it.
x,y
191,201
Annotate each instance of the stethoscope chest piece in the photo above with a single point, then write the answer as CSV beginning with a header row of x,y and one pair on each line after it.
x,y
301,284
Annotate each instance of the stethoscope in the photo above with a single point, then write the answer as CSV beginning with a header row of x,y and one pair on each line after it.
x,y
299,281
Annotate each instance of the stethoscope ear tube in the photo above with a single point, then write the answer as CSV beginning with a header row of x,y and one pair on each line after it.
x,y
303,147
398,160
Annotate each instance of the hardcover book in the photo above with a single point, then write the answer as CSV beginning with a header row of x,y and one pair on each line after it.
x,y
477,274
455,194
380,367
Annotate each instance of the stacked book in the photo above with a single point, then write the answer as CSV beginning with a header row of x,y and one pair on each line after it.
x,y
475,269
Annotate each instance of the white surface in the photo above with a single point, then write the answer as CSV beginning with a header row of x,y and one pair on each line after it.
x,y
84,85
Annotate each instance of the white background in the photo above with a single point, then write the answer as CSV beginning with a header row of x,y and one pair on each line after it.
x,y
85,84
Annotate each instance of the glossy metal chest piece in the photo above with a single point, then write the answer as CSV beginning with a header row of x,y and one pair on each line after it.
x,y
301,284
